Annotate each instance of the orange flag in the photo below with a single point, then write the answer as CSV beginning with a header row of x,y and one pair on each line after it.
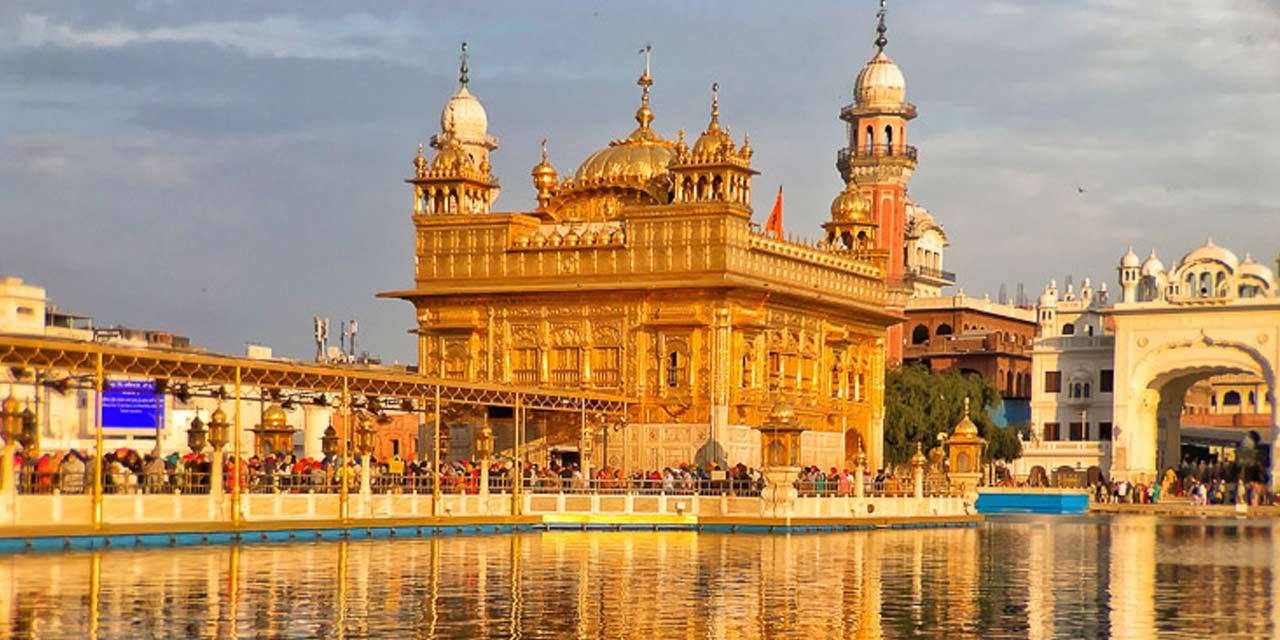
x,y
774,224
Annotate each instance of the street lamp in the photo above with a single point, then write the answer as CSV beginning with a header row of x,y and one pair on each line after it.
x,y
218,429
329,442
197,435
10,419
364,436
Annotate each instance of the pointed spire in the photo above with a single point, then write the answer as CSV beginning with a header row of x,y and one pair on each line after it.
x,y
881,41
715,107
462,72
644,115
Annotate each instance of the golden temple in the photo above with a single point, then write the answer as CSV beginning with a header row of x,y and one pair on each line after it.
x,y
642,274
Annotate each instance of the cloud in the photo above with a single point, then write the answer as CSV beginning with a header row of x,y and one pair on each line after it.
x,y
347,37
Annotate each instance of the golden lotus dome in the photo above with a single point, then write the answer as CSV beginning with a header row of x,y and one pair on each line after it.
x,y
544,175
880,84
636,159
640,156
966,429
274,417
451,157
218,417
714,140
850,205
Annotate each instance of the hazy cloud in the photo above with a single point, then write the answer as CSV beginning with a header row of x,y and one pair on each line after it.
x,y
230,169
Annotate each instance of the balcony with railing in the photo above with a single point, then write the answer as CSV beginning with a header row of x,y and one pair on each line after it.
x,y
936,276
876,151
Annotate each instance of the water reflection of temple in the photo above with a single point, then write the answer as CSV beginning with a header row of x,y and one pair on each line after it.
x,y
1125,578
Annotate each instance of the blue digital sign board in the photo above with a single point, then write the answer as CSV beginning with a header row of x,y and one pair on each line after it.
x,y
132,404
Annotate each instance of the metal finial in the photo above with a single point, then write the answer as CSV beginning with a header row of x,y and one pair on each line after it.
x,y
881,41
462,77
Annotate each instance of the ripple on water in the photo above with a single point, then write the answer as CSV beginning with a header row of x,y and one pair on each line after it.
x,y
1123,577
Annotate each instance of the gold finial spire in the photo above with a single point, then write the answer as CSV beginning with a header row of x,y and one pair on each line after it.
x,y
715,107
881,41
644,115
462,72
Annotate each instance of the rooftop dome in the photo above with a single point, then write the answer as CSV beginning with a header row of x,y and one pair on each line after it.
x,y
1211,252
850,205
1250,267
464,118
640,156
714,140
1130,259
880,83
1152,265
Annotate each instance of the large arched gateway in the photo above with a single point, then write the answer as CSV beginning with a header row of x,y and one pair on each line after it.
x,y
1170,335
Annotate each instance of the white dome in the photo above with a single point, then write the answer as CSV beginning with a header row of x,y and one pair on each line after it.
x,y
880,84
1130,260
464,118
1211,252
1248,267
1152,265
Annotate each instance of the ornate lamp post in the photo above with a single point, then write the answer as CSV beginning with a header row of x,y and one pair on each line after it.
x,y
10,428
484,449
364,447
218,433
197,435
329,442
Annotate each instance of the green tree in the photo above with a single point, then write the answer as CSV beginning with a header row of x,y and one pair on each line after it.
x,y
920,404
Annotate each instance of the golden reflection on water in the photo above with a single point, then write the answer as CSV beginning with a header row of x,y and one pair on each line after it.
x,y
1126,577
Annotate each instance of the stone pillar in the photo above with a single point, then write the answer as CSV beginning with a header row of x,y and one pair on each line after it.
x,y
780,491
314,421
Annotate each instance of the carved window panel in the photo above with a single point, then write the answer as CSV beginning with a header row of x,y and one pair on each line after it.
x,y
525,363
606,367
566,366
455,359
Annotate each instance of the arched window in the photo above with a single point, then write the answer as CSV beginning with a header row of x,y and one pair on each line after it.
x,y
943,330
920,334
1068,329
1231,399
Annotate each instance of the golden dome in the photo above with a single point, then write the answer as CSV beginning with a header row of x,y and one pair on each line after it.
x,y
966,429
640,156
218,416
274,417
918,460
451,157
714,140
850,205
419,164
544,175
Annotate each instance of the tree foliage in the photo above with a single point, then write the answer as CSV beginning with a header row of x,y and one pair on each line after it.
x,y
920,404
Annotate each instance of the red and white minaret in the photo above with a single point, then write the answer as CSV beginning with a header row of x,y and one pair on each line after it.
x,y
879,160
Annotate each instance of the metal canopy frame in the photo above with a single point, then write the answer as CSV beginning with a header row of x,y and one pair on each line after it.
x,y
81,358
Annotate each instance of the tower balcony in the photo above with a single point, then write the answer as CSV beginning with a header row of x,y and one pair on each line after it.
x,y
935,277
874,155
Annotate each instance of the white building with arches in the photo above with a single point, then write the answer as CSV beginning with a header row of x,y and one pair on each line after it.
x,y
1110,382
1211,314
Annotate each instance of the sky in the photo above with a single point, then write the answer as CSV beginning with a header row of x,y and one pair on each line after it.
x,y
228,170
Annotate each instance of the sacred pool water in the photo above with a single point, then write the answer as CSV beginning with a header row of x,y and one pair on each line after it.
x,y
1123,577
